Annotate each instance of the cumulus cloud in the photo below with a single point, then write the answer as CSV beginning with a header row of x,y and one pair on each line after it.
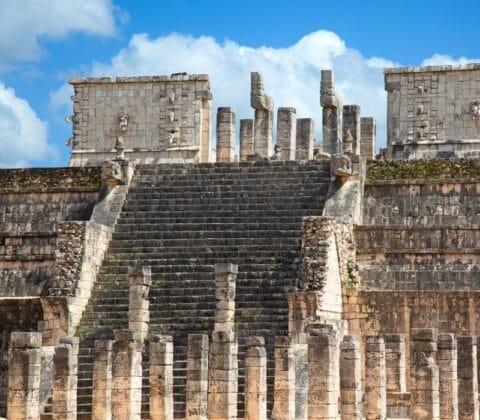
x,y
445,59
23,23
292,74
23,136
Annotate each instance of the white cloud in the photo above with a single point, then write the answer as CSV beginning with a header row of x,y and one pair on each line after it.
x,y
24,22
445,59
292,74
23,136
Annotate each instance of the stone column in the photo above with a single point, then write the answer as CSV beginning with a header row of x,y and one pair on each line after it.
x,y
447,365
140,280
223,363
246,140
225,285
350,379
395,362
368,135
375,379
351,128
263,106
305,129
287,132
331,115
64,394
467,378
127,375
24,369
225,134
255,379
323,374
102,380
284,385
161,377
424,374
197,377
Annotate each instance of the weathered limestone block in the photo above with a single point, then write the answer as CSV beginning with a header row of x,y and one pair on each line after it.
x,y
255,379
375,379
350,379
127,375
351,129
64,395
102,380
223,376
368,136
161,377
447,365
24,369
246,139
263,105
467,378
140,280
284,384
304,145
287,132
424,373
342,167
225,134
331,116
197,377
225,285
395,362
323,373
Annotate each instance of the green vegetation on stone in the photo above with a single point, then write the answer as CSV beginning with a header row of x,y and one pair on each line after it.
x,y
423,169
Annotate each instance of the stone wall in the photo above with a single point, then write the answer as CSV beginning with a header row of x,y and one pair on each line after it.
x,y
15,315
433,111
155,119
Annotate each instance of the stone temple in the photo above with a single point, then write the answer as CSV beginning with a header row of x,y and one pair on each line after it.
x,y
158,277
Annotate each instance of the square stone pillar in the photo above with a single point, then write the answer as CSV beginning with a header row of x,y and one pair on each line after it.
x,y
351,129
225,134
64,394
263,105
225,285
323,373
140,280
287,132
223,376
368,135
24,370
304,146
223,363
395,362
197,377
424,373
246,139
284,384
331,115
102,380
161,377
350,379
447,365
255,379
375,379
127,375
467,378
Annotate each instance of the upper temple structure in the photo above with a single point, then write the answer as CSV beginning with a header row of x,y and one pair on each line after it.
x,y
250,273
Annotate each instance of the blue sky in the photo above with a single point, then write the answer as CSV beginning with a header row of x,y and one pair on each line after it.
x,y
45,42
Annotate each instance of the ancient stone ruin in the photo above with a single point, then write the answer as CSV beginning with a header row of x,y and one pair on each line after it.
x,y
162,276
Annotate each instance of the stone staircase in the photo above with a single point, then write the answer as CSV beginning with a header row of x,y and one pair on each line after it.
x,y
181,220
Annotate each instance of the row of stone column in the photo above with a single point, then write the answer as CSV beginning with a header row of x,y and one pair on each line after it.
x,y
295,135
